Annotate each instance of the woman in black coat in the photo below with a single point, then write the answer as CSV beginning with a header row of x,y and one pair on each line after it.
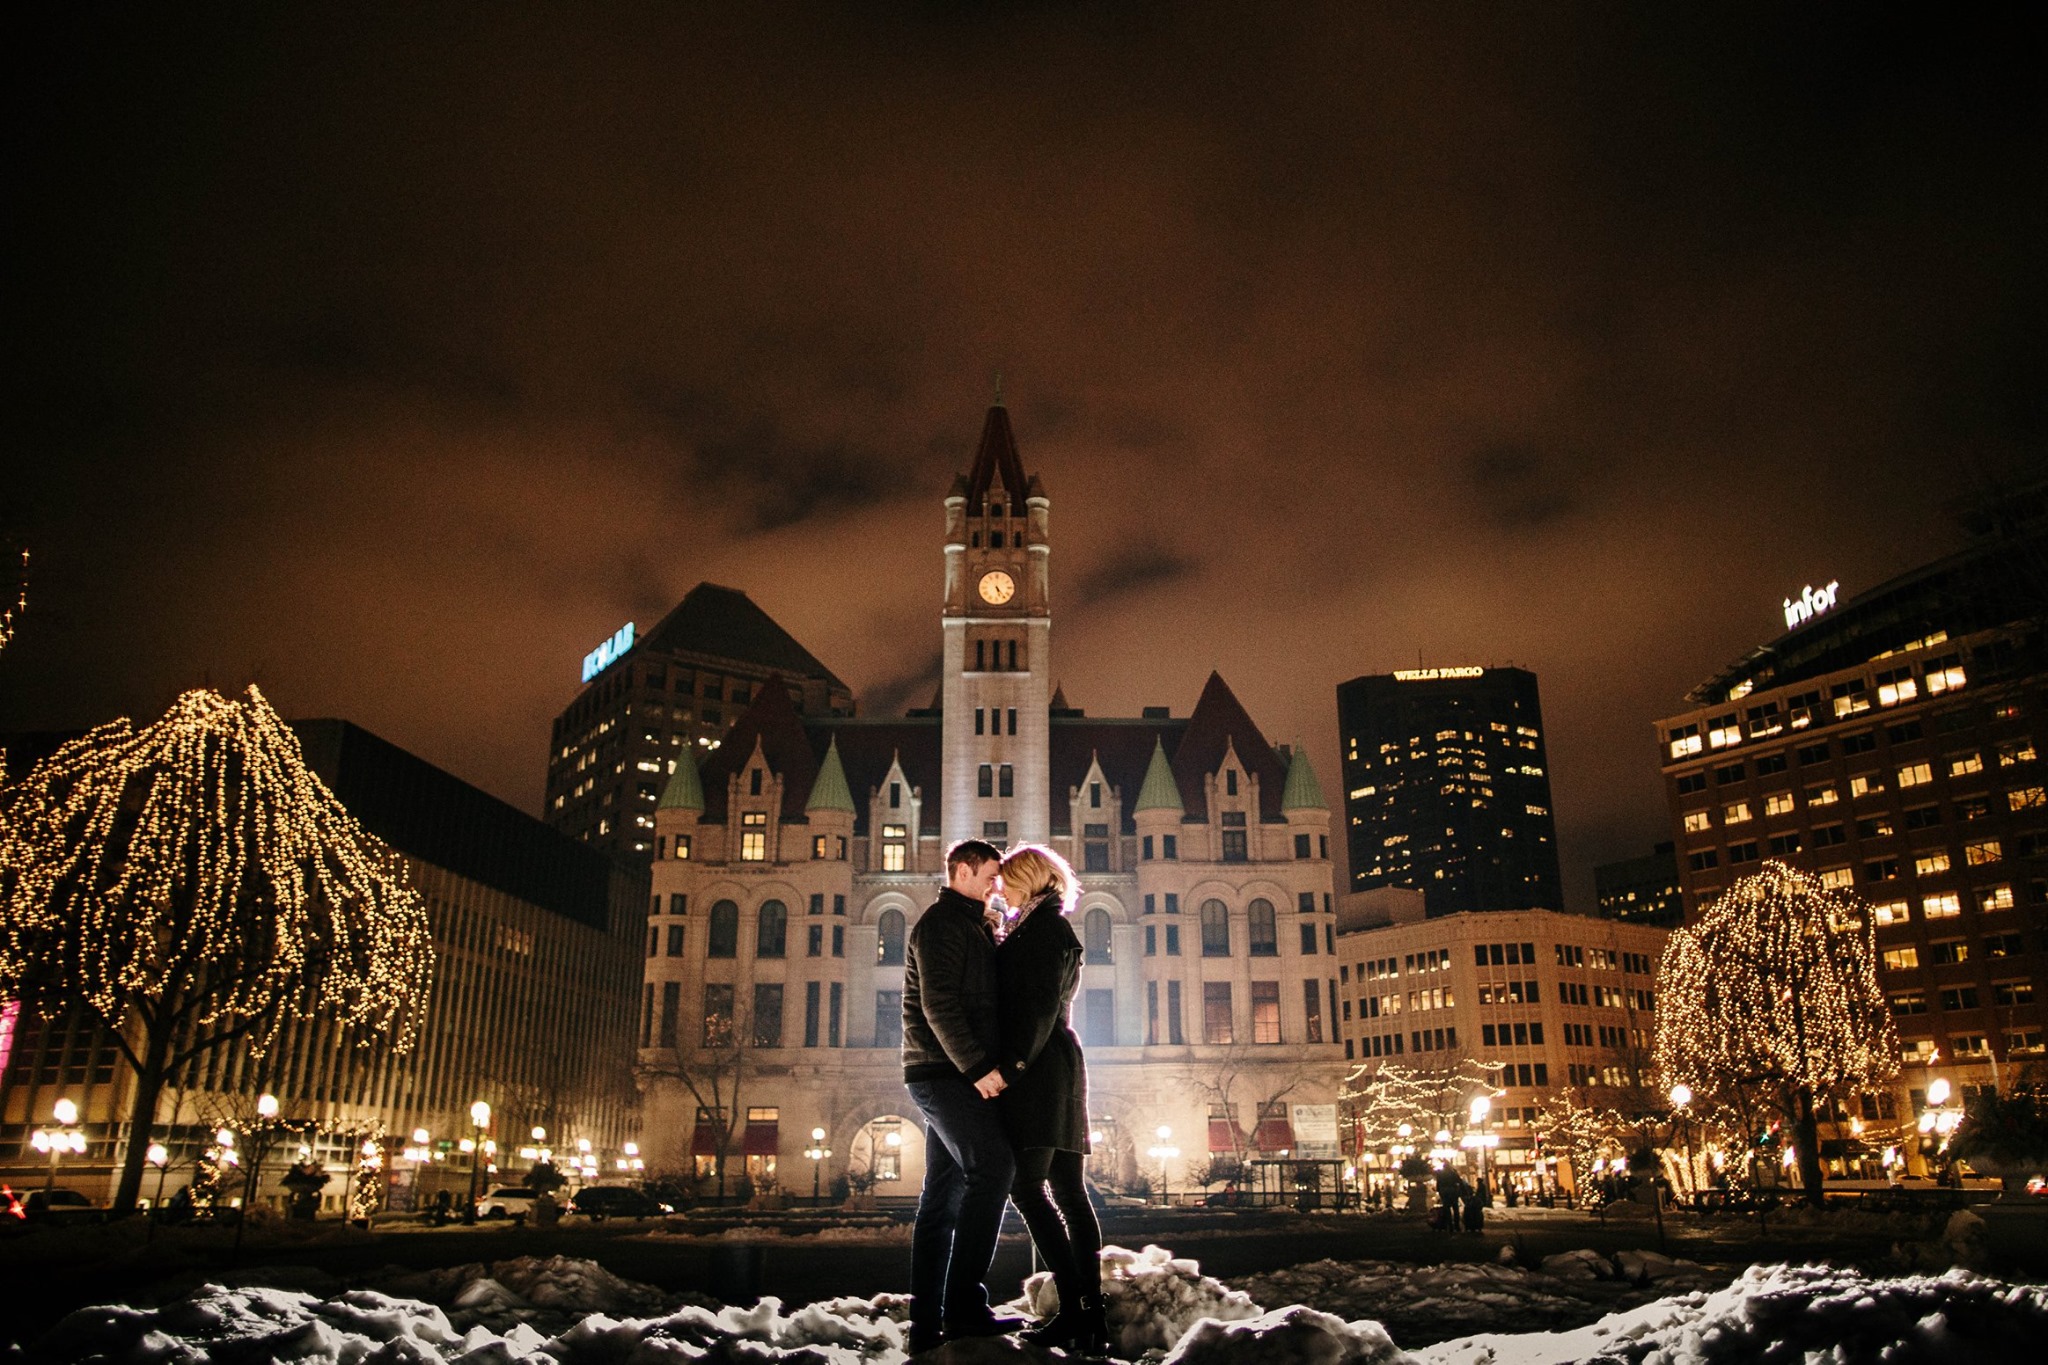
x,y
1045,1103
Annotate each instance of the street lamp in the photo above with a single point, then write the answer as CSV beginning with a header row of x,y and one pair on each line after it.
x,y
1163,1151
1938,1121
1681,1101
817,1152
1480,1107
57,1141
480,1119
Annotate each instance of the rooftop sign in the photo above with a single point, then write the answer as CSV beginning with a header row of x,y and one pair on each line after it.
x,y
1433,674
1810,603
608,653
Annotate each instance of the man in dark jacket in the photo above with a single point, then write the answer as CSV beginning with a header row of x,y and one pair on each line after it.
x,y
950,1066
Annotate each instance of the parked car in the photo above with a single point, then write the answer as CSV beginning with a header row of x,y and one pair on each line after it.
x,y
505,1201
599,1202
60,1208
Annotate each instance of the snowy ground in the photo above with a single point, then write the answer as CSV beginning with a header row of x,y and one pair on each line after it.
x,y
558,1311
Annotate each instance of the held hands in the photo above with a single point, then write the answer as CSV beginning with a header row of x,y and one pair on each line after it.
x,y
991,1085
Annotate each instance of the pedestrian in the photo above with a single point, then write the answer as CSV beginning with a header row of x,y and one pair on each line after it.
x,y
1045,1105
1448,1191
1475,1199
951,1052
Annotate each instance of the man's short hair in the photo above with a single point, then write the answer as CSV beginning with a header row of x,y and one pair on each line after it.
x,y
972,852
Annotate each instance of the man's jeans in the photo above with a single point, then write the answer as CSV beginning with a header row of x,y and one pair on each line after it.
x,y
968,1166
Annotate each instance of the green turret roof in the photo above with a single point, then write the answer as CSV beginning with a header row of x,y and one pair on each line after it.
x,y
1160,791
830,791
685,791
1303,792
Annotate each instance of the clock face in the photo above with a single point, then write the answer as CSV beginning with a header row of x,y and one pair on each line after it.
x,y
997,587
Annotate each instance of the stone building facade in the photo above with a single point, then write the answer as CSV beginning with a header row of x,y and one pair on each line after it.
x,y
791,862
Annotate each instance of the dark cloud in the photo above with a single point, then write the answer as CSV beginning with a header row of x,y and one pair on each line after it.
x,y
399,356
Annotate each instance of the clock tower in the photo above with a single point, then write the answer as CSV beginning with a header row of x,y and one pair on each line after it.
x,y
996,690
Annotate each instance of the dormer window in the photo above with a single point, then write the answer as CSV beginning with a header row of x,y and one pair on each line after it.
x,y
754,783
754,837
996,510
895,796
1229,782
995,540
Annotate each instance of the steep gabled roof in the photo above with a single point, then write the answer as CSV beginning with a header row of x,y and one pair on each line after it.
x,y
868,748
1122,747
830,791
995,461
725,622
1219,723
1303,791
773,723
685,790
1159,791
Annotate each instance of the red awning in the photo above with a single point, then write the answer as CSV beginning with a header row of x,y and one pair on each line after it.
x,y
1221,1136
704,1141
760,1139
1274,1135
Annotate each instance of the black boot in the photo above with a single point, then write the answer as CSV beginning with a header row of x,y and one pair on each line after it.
x,y
1081,1326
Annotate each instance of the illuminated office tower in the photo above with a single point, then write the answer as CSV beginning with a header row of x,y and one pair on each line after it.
x,y
646,697
1447,788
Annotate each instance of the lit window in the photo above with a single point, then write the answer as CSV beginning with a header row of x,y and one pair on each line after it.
x,y
1778,803
1685,740
1735,813
1822,796
754,837
1947,905
1976,855
1837,878
1723,733
1895,685
1865,785
1927,864
2026,798
1995,898
2019,751
1916,775
1891,912
1962,765
1944,674
1696,821
1901,959
893,847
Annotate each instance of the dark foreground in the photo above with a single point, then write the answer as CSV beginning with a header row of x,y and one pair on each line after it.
x,y
52,1272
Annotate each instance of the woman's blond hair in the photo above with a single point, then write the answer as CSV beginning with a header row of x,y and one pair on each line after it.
x,y
1031,870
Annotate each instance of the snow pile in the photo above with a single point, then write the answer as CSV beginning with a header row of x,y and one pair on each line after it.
x,y
1432,1302
1793,1313
1152,1298
550,1293
1288,1336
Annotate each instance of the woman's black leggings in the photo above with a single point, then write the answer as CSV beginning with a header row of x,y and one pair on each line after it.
x,y
1053,1198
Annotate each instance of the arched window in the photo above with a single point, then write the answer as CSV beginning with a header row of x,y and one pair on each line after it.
x,y
1265,938
724,938
1095,936
889,939
1215,929
772,931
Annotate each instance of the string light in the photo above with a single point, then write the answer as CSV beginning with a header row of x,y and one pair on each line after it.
x,y
1379,1098
18,607
192,882
1771,1000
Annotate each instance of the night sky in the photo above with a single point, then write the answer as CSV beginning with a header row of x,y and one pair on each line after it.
x,y
391,360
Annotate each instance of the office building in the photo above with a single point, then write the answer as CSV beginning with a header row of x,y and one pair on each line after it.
x,y
1646,890
647,696
1447,788
1889,742
536,966
1552,1000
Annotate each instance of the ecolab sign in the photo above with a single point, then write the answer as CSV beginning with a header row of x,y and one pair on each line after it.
x,y
608,653
1810,603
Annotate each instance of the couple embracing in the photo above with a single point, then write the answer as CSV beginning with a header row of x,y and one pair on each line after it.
x,y
998,1075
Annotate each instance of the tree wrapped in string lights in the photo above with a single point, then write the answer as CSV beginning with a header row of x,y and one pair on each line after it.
x,y
1771,1001
190,885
